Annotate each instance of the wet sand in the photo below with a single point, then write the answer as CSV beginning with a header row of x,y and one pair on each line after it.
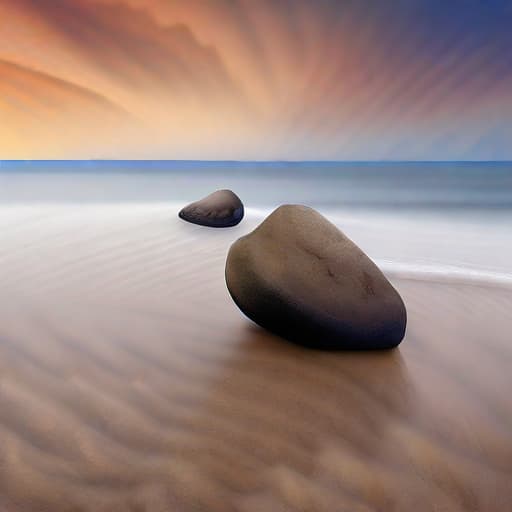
x,y
129,381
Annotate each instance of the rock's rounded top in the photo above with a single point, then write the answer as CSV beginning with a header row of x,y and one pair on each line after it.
x,y
220,209
298,275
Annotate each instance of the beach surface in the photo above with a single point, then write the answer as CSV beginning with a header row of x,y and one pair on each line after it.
x,y
129,381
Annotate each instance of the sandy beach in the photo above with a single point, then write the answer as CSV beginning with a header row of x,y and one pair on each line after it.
x,y
129,381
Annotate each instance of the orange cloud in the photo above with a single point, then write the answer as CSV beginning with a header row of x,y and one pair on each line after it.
x,y
33,105
252,80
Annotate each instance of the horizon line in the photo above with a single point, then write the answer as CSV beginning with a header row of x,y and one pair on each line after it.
x,y
230,161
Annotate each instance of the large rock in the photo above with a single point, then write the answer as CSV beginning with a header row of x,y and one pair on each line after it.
x,y
221,209
299,276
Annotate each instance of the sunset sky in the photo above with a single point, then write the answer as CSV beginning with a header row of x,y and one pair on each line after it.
x,y
256,79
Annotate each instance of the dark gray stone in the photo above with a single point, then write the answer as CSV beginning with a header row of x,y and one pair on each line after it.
x,y
221,209
299,276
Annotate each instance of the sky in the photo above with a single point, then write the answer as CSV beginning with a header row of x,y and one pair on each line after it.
x,y
256,79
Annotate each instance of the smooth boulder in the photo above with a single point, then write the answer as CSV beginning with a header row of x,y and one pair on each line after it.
x,y
300,277
221,209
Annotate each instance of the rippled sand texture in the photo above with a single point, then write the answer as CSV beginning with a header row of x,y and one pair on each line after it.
x,y
130,382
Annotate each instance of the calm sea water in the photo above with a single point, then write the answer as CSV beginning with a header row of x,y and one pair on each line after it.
x,y
433,186
441,218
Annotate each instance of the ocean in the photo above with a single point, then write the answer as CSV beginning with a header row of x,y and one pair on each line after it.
x,y
446,220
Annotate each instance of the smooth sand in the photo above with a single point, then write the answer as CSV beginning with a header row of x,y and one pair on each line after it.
x,y
129,381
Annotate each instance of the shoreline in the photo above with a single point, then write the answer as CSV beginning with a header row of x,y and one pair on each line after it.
x,y
364,228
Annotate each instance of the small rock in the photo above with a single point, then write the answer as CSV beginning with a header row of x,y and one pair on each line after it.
x,y
221,209
299,276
